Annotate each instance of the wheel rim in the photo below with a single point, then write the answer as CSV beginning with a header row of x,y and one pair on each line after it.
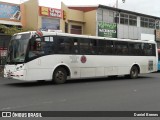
x,y
60,76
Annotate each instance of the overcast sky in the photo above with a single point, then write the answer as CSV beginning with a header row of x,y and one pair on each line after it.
x,y
150,7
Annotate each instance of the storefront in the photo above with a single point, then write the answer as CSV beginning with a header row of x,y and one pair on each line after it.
x,y
50,18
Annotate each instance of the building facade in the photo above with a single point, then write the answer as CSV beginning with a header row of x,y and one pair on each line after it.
x,y
41,17
97,20
100,20
107,21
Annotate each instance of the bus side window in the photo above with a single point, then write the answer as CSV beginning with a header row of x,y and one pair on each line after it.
x,y
68,45
75,49
84,46
118,48
149,49
101,47
48,44
109,48
93,47
60,45
136,49
65,45
121,48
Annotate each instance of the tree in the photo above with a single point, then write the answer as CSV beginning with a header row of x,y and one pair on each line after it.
x,y
12,30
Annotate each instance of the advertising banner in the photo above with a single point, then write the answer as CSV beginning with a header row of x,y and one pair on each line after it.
x,y
107,29
9,11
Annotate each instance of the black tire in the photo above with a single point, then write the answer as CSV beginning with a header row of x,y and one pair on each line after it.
x,y
59,76
134,72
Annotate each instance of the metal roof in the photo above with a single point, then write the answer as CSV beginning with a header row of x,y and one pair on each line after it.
x,y
127,11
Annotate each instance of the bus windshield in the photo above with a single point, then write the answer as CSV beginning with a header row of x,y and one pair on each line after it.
x,y
17,48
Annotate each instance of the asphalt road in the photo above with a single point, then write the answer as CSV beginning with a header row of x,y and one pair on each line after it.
x,y
120,94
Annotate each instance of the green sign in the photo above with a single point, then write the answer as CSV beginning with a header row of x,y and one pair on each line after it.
x,y
107,29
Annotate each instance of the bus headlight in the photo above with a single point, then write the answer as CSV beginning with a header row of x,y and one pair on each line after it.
x,y
19,68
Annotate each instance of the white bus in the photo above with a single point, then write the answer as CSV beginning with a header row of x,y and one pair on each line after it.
x,y
55,56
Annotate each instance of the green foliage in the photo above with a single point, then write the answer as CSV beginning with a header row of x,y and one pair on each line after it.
x,y
11,30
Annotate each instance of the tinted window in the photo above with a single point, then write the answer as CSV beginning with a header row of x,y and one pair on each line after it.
x,y
84,46
88,46
105,47
109,48
121,48
149,49
136,49
93,47
64,45
101,47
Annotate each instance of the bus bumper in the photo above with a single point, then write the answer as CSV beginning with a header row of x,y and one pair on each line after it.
x,y
19,75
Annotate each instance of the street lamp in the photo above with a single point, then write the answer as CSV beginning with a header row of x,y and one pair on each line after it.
x,y
117,3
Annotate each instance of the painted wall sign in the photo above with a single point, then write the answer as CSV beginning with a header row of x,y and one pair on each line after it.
x,y
107,29
10,11
50,12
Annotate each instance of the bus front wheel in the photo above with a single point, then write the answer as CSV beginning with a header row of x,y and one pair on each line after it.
x,y
59,75
134,72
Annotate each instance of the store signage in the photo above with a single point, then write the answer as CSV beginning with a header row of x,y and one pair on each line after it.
x,y
50,12
107,29
9,12
157,32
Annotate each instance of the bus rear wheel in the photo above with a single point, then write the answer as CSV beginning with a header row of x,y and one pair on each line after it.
x,y
59,76
134,72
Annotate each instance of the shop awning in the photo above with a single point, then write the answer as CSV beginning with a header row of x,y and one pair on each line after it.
x,y
10,23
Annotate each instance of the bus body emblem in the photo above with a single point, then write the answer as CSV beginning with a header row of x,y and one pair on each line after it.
x,y
83,59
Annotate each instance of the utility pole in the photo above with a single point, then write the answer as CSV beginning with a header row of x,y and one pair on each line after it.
x,y
117,3
118,15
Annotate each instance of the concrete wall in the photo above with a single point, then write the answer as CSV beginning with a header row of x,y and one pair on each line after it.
x,y
133,32
62,22
74,17
90,23
23,15
32,13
